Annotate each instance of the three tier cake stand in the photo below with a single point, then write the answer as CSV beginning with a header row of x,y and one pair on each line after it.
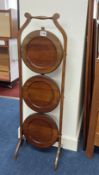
x,y
42,52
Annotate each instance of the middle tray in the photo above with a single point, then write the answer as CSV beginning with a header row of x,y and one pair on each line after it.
x,y
41,93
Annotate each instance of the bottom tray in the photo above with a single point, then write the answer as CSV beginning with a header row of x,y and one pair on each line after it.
x,y
40,130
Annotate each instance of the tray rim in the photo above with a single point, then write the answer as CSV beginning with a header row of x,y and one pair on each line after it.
x,y
51,82
54,127
55,41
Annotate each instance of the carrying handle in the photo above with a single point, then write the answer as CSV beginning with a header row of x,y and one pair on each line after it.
x,y
54,17
29,17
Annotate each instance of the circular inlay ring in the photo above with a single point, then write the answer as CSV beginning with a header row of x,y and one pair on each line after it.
x,y
41,93
40,130
42,52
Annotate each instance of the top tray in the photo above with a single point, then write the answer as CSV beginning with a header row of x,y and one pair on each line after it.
x,y
42,51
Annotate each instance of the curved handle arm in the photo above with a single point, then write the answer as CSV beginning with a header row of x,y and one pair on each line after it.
x,y
29,17
54,17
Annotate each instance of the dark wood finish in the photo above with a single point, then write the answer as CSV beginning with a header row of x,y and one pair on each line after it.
x,y
41,93
40,130
11,24
94,113
97,40
54,18
18,13
92,120
88,71
94,52
42,51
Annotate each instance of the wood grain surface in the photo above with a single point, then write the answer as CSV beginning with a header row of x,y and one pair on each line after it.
x,y
42,54
41,93
40,130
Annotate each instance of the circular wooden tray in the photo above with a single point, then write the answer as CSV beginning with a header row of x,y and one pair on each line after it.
x,y
40,130
42,54
41,93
